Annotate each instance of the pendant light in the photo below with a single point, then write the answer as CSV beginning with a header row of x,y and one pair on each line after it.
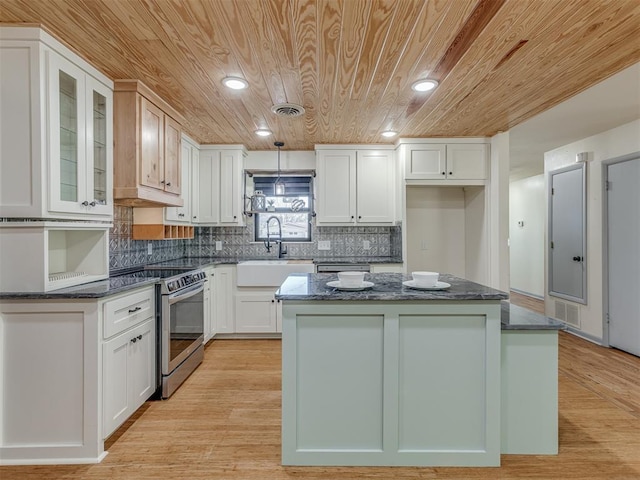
x,y
278,186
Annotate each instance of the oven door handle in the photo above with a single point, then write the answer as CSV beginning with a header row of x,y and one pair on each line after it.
x,y
184,294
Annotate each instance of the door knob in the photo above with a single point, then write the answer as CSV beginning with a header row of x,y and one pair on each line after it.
x,y
577,259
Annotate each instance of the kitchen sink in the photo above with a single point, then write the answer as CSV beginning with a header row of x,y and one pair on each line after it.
x,y
269,273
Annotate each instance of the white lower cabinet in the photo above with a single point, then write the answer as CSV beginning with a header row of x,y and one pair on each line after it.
x,y
128,374
128,356
224,306
78,369
258,312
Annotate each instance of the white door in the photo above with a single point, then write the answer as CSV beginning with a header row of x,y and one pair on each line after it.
x,y
567,274
623,236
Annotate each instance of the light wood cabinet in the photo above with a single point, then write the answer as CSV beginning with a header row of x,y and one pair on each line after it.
x,y
355,187
451,162
147,137
188,160
56,117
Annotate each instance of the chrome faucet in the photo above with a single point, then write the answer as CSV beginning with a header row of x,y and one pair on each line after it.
x,y
267,243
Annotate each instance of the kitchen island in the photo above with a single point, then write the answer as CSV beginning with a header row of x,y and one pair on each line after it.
x,y
391,375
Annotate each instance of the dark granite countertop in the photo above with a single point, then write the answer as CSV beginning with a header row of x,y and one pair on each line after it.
x,y
517,318
99,289
387,287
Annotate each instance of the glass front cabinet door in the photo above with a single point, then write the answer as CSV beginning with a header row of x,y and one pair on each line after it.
x,y
80,141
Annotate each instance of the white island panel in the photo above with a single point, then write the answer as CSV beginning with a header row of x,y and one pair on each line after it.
x,y
339,384
442,412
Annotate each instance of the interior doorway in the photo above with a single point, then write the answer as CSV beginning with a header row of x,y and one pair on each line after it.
x,y
622,236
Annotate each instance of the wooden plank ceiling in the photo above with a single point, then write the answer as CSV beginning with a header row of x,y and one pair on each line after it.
x,y
350,63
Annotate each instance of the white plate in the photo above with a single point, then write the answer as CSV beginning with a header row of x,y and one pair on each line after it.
x,y
437,286
336,284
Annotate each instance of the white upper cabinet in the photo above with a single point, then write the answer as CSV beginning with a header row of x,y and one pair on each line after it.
x,y
450,162
220,185
355,187
58,112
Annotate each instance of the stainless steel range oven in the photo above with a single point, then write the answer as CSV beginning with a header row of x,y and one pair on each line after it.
x,y
180,323
181,337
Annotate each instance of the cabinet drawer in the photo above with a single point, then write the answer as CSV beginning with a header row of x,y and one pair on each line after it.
x,y
125,312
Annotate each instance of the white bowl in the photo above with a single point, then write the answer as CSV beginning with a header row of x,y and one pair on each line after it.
x,y
425,279
351,279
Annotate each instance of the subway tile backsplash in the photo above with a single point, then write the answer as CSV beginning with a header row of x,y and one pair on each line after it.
x,y
124,252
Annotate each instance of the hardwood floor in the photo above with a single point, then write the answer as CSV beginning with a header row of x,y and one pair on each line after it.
x,y
224,423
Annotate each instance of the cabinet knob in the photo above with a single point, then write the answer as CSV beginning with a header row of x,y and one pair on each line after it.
x,y
93,204
444,173
195,216
162,181
272,300
352,217
85,204
359,217
134,340
450,173
168,184
139,337
234,217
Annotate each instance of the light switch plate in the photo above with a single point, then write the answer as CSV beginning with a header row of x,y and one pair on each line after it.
x,y
218,245
366,245
324,245
149,248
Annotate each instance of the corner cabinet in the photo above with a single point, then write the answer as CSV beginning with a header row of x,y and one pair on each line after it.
x,y
355,186
460,163
147,138
58,112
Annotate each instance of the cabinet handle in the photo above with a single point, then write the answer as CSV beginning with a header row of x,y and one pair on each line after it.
x,y
168,184
181,214
134,340
134,310
195,216
85,204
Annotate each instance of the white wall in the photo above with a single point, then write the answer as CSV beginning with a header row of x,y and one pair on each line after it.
x,y
436,230
613,143
527,205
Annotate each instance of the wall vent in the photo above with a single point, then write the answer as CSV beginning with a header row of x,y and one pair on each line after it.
x,y
567,313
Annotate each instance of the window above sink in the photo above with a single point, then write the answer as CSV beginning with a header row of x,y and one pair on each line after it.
x,y
292,206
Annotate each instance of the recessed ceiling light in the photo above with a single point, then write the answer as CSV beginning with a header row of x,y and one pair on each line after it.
x,y
235,83
424,85
263,132
389,133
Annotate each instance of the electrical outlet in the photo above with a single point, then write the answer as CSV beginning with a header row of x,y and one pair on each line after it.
x,y
149,248
218,245
324,245
366,245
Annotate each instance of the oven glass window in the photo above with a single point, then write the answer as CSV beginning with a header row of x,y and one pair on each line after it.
x,y
187,324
